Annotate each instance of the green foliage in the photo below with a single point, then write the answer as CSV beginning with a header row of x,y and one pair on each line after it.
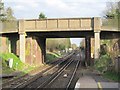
x,y
111,15
103,63
42,16
74,46
51,56
8,19
17,64
103,49
112,76
9,14
58,44
2,15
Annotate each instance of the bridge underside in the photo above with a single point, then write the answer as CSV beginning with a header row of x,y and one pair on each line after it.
x,y
35,42
71,34
30,35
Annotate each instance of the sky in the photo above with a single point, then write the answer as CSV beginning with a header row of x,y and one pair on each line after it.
x,y
30,9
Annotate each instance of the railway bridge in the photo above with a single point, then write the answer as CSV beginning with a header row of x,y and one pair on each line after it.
x,y
35,32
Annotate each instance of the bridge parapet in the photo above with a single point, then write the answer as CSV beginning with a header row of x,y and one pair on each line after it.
x,y
9,26
110,24
61,24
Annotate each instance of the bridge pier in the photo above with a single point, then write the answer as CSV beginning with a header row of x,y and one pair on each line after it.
x,y
97,28
22,46
42,45
13,44
97,45
88,50
22,40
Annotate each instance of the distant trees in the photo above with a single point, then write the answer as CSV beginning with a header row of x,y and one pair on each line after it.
x,y
112,10
74,46
2,11
110,48
58,44
42,16
112,15
9,14
6,14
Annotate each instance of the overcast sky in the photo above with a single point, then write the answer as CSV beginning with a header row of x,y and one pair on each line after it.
x,y
30,9
56,8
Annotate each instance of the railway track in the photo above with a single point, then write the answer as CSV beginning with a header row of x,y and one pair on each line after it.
x,y
63,77
52,79
25,80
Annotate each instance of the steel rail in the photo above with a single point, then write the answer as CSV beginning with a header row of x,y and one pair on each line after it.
x,y
76,67
55,75
27,82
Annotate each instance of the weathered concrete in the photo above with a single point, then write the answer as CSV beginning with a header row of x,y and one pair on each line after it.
x,y
42,44
97,28
1,26
22,40
97,45
88,50
13,44
4,47
22,47
60,27
86,82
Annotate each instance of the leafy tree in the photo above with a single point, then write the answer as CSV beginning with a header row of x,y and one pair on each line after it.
x,y
112,15
74,46
9,14
2,15
58,44
9,21
42,16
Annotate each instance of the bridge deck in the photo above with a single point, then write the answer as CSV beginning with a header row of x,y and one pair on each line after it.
x,y
59,24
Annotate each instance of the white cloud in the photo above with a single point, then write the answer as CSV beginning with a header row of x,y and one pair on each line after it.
x,y
58,4
19,7
32,3
56,8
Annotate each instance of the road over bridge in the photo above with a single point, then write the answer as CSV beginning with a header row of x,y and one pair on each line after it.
x,y
37,30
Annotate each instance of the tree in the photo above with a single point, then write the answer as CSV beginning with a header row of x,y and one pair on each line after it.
x,y
111,15
2,15
42,16
9,14
111,10
74,46
8,20
58,44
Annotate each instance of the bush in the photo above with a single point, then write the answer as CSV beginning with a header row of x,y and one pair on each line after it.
x,y
50,56
103,63
17,64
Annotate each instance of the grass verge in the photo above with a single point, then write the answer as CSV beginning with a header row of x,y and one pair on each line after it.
x,y
17,66
50,56
112,76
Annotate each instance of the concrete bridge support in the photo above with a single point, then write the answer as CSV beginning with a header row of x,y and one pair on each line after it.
x,y
22,40
22,47
97,28
42,45
32,49
97,45
37,50
13,44
88,50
